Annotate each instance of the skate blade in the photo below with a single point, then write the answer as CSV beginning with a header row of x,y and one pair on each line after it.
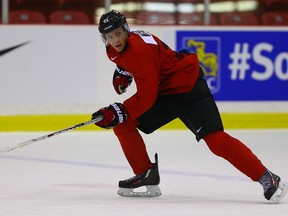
x,y
279,193
151,191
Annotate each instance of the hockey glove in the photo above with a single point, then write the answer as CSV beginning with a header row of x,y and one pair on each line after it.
x,y
121,80
112,115
183,51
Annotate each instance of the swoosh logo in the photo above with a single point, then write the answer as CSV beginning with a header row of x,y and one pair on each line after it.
x,y
198,130
9,49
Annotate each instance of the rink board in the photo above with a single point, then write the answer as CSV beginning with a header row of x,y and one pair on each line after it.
x,y
57,122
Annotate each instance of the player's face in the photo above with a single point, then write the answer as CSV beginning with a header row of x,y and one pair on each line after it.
x,y
117,39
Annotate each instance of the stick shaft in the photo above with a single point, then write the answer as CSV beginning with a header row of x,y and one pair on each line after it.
x,y
28,142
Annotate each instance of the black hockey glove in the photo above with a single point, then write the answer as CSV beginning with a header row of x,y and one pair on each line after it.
x,y
112,115
121,80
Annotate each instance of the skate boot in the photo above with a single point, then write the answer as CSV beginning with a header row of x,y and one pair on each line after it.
x,y
150,179
274,188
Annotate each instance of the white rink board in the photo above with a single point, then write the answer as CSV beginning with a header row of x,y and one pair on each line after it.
x,y
64,69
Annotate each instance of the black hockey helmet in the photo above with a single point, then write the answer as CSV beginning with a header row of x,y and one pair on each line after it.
x,y
112,20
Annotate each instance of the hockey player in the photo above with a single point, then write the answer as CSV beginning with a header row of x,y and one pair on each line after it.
x,y
169,85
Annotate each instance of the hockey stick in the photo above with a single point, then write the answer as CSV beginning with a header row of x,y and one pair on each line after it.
x,y
28,142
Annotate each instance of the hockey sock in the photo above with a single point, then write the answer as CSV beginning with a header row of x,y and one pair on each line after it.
x,y
133,146
234,151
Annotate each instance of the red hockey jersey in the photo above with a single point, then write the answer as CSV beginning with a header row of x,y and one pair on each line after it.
x,y
156,69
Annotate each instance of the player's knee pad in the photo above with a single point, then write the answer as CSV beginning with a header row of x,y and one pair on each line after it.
x,y
219,143
126,127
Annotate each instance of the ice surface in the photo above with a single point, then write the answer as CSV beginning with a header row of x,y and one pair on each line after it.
x,y
77,173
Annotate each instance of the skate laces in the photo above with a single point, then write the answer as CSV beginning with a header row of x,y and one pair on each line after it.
x,y
135,178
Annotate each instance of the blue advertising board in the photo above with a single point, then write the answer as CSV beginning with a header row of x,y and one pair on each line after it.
x,y
241,65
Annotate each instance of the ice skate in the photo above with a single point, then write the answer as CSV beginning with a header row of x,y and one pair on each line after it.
x,y
274,188
149,179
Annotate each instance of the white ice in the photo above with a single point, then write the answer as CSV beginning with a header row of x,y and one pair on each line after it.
x,y
77,173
